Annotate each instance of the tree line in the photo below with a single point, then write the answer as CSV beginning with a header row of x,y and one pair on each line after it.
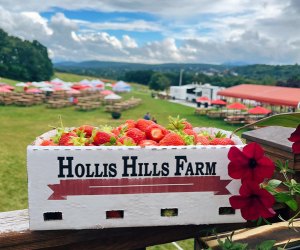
x,y
23,60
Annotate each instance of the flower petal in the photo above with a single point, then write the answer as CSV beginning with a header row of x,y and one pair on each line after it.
x,y
237,155
296,147
295,136
236,171
265,169
266,198
250,213
238,202
265,212
248,188
253,150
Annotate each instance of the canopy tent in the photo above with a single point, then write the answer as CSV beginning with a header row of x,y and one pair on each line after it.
x,y
106,92
237,106
85,82
259,111
4,90
73,92
57,80
34,91
112,97
203,99
21,84
265,94
8,87
121,87
218,102
47,89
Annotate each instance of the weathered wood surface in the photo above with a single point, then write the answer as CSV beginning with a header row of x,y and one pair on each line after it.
x,y
274,140
15,234
274,136
254,236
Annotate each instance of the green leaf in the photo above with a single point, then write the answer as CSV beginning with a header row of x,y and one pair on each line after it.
x,y
283,197
285,120
266,245
274,183
292,204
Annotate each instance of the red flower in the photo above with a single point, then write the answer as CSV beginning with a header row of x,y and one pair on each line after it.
x,y
249,164
295,138
253,201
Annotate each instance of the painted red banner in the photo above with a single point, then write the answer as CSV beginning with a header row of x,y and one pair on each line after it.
x,y
138,185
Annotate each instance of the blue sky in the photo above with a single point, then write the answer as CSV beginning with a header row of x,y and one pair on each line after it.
x,y
159,31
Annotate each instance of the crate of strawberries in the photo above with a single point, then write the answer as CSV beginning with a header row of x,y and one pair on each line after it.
x,y
134,175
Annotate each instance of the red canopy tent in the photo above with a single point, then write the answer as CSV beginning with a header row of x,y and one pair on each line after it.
x,y
34,91
4,90
237,105
203,99
106,92
8,87
259,111
218,102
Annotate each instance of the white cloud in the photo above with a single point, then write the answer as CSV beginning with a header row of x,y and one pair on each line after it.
x,y
193,31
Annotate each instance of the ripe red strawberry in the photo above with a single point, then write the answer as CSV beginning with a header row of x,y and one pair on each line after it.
x,y
136,134
142,124
48,143
172,139
175,123
144,143
67,139
130,124
192,133
86,129
187,125
202,140
104,138
156,132
116,131
221,141
125,141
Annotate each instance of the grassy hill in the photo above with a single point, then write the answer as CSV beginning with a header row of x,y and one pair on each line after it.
x,y
21,125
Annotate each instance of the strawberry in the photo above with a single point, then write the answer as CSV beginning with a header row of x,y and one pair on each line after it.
x,y
66,139
125,141
187,125
104,138
136,134
178,124
142,124
116,131
48,143
86,129
191,132
144,143
222,141
130,124
156,132
172,139
202,140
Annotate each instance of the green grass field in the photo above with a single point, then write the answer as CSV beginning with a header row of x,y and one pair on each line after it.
x,y
20,125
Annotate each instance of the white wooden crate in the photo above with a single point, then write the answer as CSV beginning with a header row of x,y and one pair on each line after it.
x,y
79,187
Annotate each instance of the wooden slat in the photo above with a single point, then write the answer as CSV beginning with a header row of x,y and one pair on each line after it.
x,y
277,231
15,234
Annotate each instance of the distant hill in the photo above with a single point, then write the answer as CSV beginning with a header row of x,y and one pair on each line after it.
x,y
228,74
138,66
23,60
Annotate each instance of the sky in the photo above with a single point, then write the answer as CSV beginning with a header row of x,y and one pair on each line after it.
x,y
159,31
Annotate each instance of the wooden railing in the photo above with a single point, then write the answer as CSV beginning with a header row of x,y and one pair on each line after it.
x,y
15,234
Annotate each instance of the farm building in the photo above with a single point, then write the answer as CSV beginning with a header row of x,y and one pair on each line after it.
x,y
191,92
